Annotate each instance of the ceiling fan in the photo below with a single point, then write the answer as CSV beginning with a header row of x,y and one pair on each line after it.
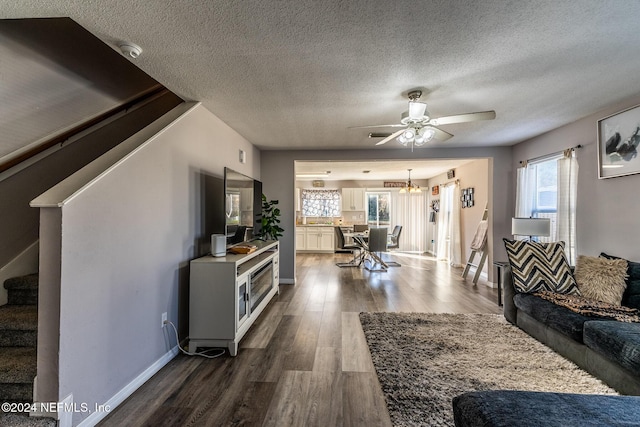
x,y
420,128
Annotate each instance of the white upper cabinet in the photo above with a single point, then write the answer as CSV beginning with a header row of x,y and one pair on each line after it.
x,y
353,199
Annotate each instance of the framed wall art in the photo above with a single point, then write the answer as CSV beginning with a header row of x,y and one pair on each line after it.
x,y
618,140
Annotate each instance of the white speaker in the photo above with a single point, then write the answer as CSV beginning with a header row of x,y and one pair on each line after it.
x,y
218,245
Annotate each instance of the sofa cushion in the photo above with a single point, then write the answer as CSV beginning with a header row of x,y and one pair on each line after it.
x,y
539,266
502,408
558,318
631,296
617,341
601,279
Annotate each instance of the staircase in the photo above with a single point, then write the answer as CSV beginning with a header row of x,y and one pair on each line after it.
x,y
18,341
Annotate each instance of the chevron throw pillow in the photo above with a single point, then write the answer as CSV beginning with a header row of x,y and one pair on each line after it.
x,y
540,266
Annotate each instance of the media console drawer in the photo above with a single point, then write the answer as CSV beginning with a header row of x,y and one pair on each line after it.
x,y
227,294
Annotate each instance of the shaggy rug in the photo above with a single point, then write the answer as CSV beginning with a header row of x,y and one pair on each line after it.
x,y
424,360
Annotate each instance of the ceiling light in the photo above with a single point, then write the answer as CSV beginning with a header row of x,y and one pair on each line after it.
x,y
402,140
424,135
409,134
313,175
410,188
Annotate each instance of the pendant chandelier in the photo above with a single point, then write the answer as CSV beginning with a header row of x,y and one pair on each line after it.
x,y
410,188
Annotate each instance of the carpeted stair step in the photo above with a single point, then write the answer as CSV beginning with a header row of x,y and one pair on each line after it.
x,y
23,420
18,325
17,371
22,290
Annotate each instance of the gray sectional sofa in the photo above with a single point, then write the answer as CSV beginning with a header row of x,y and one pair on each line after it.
x,y
608,349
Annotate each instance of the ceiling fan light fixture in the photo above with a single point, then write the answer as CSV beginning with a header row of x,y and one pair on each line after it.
x,y
402,140
419,140
417,110
409,134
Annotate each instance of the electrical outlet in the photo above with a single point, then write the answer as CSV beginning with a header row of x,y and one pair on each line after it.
x,y
164,319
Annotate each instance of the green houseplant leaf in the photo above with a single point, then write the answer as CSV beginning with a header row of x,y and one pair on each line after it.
x,y
270,220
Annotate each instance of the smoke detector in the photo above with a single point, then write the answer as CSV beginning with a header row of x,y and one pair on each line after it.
x,y
130,50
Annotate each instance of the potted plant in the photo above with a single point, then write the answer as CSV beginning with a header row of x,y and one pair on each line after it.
x,y
270,220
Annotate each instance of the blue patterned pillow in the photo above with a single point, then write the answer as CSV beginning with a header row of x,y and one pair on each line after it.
x,y
540,266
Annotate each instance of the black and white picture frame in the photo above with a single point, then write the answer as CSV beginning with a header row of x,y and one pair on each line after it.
x,y
618,139
466,198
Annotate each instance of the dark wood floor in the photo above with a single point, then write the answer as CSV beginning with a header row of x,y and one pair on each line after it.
x,y
305,361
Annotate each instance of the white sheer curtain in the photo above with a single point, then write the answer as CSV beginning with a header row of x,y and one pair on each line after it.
x,y
525,191
567,199
410,210
449,242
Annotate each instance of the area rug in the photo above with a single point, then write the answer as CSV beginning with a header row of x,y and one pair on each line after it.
x,y
424,360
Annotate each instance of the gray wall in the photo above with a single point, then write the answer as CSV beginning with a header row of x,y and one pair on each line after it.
x,y
607,216
278,178
124,255
18,222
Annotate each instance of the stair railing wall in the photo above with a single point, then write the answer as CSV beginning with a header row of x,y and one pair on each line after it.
x,y
130,228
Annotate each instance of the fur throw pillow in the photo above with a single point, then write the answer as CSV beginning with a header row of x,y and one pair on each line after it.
x,y
601,279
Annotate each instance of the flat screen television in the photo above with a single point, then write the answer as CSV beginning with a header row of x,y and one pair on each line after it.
x,y
243,206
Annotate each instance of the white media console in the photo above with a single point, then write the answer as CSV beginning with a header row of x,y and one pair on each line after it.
x,y
228,293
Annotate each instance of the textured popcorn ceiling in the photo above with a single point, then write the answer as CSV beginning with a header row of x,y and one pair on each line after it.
x,y
298,74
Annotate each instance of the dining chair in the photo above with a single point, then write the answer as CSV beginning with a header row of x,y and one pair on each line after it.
x,y
394,238
376,245
394,243
352,248
359,228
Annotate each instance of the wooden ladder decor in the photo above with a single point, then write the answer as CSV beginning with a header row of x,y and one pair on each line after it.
x,y
478,244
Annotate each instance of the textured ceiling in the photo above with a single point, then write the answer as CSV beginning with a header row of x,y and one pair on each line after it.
x,y
298,74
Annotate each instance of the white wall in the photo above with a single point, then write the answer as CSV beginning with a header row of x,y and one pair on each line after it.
x,y
607,216
278,179
128,237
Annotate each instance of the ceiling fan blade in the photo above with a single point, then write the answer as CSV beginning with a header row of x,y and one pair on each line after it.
x,y
462,118
440,134
377,126
392,136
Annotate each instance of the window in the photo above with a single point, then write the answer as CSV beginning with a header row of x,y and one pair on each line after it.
x,y
545,200
321,203
378,208
547,188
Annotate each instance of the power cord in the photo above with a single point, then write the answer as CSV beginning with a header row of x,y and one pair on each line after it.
x,y
201,354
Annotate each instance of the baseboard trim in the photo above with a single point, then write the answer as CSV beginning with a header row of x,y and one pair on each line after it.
x,y
128,390
287,281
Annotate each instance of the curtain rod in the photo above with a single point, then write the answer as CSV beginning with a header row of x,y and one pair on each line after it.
x,y
550,154
456,181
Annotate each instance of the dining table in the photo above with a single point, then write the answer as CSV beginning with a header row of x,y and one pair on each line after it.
x,y
361,239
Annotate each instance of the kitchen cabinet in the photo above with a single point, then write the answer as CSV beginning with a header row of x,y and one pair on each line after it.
x,y
353,199
301,238
315,238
